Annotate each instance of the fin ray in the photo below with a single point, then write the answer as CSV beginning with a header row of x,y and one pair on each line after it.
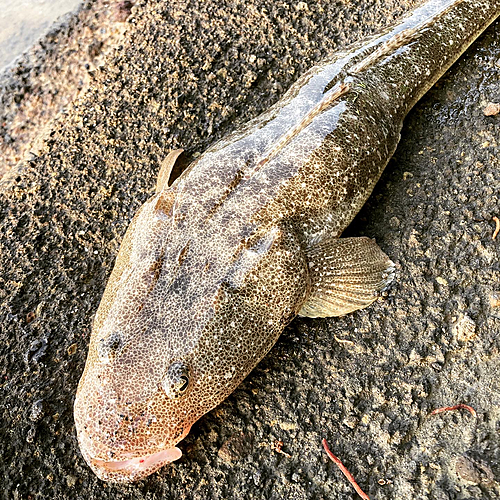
x,y
346,274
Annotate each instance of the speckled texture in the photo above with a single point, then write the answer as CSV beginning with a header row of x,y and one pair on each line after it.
x,y
366,382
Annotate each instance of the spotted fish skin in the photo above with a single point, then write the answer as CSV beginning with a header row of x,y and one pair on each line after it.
x,y
214,266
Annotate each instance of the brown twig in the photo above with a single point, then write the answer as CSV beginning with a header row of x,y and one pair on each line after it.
x,y
460,406
497,227
346,473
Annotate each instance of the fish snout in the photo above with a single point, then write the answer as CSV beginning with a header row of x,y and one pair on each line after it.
x,y
115,458
123,445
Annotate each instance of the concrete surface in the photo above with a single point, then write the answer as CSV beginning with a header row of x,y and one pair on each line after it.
x,y
185,74
22,22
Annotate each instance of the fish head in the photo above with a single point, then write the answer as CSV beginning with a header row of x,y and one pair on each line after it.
x,y
183,320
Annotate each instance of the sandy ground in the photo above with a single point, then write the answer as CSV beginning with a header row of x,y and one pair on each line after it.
x,y
183,75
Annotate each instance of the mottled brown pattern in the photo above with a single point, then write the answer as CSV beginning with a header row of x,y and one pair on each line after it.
x,y
214,266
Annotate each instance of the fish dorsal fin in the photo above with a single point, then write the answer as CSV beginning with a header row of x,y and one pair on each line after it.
x,y
167,166
346,274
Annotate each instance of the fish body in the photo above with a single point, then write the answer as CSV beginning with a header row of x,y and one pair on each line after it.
x,y
215,265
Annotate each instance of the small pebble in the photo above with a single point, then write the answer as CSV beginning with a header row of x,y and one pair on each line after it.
x,y
36,412
30,317
464,328
491,109
474,471
235,447
30,435
72,349
495,299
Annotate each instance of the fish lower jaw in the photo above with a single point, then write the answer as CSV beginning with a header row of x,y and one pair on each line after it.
x,y
133,469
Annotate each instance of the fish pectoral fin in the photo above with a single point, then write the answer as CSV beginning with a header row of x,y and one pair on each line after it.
x,y
346,274
173,158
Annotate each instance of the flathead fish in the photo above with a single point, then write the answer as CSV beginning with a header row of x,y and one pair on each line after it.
x,y
217,263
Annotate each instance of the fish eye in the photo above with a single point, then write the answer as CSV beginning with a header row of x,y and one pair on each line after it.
x,y
175,383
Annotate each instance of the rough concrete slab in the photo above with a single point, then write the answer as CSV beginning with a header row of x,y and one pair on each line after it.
x,y
186,74
53,73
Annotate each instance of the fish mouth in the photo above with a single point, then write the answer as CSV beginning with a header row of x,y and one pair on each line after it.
x,y
135,468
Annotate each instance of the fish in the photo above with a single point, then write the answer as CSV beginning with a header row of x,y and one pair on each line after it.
x,y
220,259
